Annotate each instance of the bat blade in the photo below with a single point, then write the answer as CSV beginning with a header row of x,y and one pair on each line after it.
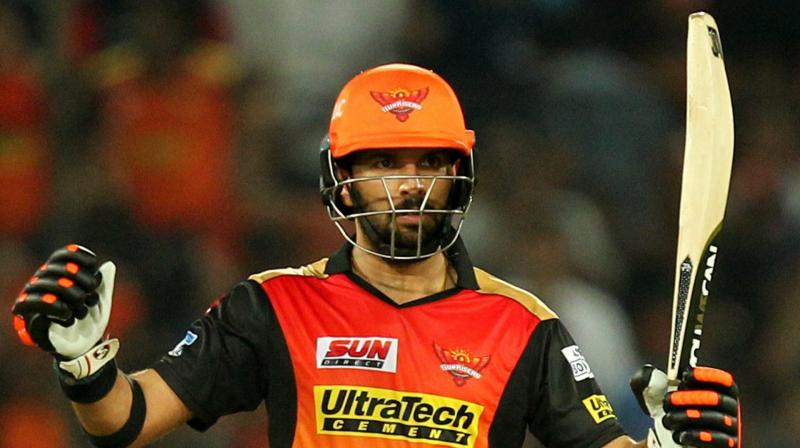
x,y
707,164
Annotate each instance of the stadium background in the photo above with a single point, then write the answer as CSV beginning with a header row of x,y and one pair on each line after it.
x,y
178,138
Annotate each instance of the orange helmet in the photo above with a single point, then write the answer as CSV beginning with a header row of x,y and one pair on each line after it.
x,y
398,106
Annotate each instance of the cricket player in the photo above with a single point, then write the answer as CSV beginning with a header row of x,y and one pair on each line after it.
x,y
396,340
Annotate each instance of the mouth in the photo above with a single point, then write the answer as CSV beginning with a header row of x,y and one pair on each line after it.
x,y
409,219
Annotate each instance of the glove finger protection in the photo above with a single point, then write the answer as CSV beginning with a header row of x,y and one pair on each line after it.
x,y
704,411
61,290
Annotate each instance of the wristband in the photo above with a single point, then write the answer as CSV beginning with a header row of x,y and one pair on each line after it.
x,y
132,428
89,389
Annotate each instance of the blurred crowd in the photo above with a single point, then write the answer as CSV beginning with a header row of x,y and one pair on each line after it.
x,y
179,138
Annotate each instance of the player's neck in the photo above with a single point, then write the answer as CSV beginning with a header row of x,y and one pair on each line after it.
x,y
407,281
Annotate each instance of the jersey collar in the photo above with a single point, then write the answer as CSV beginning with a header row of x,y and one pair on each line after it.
x,y
340,263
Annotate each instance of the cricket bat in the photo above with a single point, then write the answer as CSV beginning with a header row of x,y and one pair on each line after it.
x,y
707,164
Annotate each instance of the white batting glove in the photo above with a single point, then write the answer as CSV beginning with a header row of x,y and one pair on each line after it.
x,y
77,341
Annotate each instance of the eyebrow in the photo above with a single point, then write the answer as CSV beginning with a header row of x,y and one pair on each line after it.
x,y
378,153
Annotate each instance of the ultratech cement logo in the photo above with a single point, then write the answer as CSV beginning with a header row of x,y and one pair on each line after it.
x,y
391,414
372,353
599,408
460,363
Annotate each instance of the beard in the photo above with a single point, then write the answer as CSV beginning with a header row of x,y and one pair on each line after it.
x,y
407,236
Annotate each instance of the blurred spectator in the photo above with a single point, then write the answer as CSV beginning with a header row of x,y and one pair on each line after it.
x,y
166,141
167,121
94,25
26,160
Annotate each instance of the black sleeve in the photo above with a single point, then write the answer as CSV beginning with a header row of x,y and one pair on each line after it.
x,y
219,367
566,407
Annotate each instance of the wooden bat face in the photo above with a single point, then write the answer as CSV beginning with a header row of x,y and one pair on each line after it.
x,y
706,176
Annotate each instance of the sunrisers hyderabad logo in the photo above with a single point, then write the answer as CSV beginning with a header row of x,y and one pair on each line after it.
x,y
460,363
400,102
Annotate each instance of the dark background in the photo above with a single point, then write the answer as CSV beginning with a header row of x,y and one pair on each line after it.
x,y
179,139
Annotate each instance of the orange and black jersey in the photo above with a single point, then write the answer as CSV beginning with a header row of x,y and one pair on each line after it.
x,y
339,364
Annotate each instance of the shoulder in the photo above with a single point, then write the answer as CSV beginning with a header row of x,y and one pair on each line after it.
x,y
315,270
489,284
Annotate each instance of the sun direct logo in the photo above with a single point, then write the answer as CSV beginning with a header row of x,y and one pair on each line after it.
x,y
398,415
365,353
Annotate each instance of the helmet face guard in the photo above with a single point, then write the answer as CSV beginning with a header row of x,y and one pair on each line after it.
x,y
447,220
398,107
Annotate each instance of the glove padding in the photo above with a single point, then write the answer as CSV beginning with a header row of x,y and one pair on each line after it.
x,y
65,307
702,412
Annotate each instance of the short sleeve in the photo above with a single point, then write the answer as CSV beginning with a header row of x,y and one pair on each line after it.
x,y
567,407
219,367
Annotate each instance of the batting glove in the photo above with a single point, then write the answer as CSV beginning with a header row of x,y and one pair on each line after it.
x,y
702,412
64,309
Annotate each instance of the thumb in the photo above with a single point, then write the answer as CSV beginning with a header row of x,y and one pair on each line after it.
x,y
83,334
102,312
649,384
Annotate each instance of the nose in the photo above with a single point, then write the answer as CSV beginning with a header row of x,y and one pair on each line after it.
x,y
411,185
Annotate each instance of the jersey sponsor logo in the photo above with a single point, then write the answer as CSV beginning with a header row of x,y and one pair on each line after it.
x,y
460,363
187,341
390,414
400,102
599,408
365,353
580,367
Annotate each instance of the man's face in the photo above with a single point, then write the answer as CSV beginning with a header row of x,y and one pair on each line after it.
x,y
404,193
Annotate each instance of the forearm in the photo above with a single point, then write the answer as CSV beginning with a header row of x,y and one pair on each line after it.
x,y
163,411
108,415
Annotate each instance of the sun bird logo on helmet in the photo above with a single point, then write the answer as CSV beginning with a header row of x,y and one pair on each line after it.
x,y
365,353
400,102
460,363
398,415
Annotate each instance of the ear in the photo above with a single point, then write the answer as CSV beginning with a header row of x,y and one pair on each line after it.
x,y
347,200
344,194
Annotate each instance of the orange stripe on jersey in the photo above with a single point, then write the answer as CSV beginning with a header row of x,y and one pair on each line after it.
x,y
694,398
710,375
